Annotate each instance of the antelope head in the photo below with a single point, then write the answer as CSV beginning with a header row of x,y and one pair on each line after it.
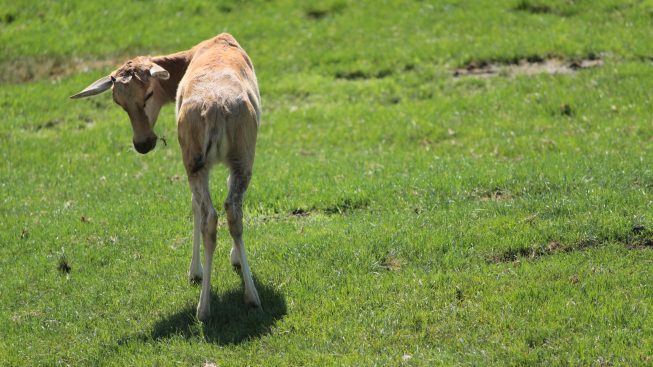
x,y
136,89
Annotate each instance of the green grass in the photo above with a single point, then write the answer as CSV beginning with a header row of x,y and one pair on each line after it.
x,y
398,215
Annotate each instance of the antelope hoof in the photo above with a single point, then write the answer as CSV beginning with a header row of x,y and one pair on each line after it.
x,y
252,300
194,279
195,276
235,259
203,315
195,273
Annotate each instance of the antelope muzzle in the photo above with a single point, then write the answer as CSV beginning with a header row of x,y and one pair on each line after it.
x,y
145,146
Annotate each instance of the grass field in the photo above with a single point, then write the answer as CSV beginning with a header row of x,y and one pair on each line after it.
x,y
401,212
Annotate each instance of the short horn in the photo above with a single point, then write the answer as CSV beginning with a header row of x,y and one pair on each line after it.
x,y
97,87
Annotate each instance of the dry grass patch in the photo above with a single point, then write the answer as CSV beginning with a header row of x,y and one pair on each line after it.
x,y
25,70
526,66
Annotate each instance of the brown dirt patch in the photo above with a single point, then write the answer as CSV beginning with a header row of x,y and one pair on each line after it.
x,y
644,243
525,66
496,194
362,75
63,266
391,263
532,253
50,124
31,69
553,246
638,241
319,11
299,212
540,7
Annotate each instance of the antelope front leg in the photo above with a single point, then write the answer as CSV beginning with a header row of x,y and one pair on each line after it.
x,y
195,270
208,223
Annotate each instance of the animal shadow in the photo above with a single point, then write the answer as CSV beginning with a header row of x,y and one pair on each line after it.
x,y
232,322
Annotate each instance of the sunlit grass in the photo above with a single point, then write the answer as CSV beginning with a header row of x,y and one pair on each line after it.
x,y
397,214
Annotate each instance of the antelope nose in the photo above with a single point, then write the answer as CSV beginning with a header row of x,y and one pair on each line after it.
x,y
145,146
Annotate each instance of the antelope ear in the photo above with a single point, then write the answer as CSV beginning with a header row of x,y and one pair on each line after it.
x,y
97,87
159,73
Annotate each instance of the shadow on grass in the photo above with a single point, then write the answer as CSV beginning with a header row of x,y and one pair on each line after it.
x,y
232,322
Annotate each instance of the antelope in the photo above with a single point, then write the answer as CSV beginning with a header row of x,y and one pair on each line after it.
x,y
218,114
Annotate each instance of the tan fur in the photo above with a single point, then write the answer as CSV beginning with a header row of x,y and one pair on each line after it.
x,y
218,114
218,98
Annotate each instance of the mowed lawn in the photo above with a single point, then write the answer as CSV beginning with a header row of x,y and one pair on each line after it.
x,y
428,189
